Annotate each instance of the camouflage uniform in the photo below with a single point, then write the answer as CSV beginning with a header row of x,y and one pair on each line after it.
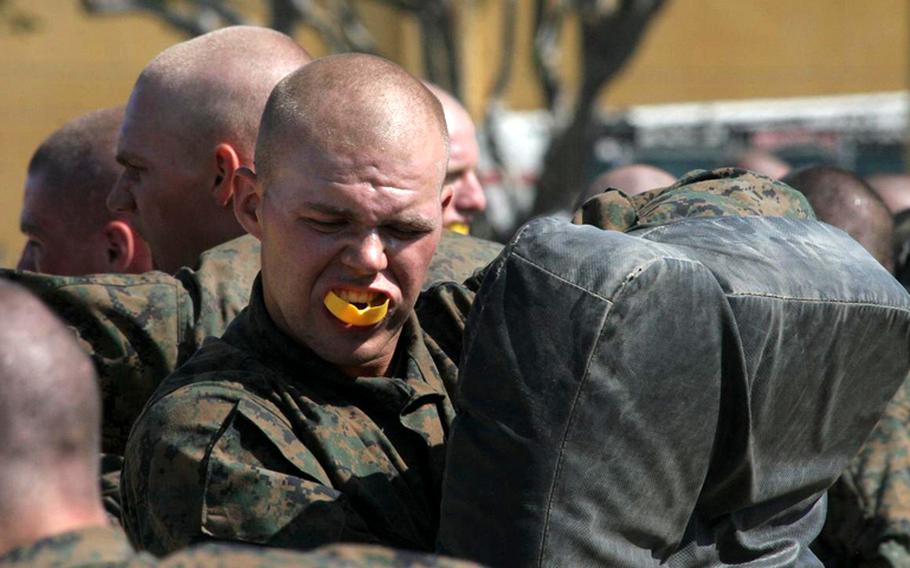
x,y
869,507
86,548
700,193
139,328
105,547
333,556
256,439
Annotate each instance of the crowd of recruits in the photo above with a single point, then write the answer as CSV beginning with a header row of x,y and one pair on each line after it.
x,y
185,145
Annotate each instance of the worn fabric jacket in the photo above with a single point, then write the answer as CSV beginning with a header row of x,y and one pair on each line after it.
x,y
256,439
680,394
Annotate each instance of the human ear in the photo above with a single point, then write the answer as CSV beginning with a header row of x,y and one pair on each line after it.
x,y
120,246
247,200
226,162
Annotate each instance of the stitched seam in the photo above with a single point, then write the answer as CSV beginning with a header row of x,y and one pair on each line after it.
x,y
816,300
565,434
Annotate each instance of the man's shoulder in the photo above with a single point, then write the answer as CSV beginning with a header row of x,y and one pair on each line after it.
x,y
219,370
458,256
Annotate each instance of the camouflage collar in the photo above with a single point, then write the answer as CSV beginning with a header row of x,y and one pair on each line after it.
x,y
414,374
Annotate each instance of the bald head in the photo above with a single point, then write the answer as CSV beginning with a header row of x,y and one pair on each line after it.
x,y
343,102
77,168
763,162
468,198
632,180
190,123
69,228
214,87
894,189
843,199
49,422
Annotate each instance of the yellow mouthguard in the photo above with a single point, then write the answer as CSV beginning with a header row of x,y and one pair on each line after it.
x,y
351,314
460,228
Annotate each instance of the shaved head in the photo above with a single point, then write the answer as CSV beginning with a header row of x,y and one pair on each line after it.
x,y
894,189
468,198
215,86
77,166
191,122
343,102
841,198
763,162
50,415
632,180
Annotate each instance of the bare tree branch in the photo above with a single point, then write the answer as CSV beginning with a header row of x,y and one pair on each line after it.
x,y
209,15
548,19
608,38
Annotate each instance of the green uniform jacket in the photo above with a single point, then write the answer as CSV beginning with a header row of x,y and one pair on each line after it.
x,y
107,547
139,328
256,439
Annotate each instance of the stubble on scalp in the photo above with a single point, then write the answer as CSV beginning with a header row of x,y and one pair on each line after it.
x,y
213,87
341,103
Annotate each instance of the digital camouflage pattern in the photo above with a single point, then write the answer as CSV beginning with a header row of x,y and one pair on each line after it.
x,y
256,439
869,506
139,328
99,547
107,547
700,193
332,556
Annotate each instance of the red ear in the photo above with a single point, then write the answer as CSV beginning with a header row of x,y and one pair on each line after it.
x,y
119,246
247,200
227,163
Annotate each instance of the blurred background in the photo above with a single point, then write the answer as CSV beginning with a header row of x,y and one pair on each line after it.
x,y
561,90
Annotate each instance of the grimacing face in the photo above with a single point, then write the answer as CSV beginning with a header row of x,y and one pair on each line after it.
x,y
162,189
57,244
365,222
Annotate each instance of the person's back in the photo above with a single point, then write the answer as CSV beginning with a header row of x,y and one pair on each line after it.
x,y
64,217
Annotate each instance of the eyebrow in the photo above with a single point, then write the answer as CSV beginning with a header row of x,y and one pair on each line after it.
x,y
329,209
417,221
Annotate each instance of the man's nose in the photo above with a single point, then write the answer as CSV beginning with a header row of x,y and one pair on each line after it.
x,y
366,254
470,198
120,199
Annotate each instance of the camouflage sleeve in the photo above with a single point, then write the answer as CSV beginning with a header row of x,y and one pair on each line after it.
x,y
330,556
458,256
869,507
211,462
134,327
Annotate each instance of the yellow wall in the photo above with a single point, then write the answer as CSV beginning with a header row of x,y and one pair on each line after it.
x,y
696,50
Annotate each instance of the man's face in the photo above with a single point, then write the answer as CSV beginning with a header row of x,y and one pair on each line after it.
x,y
58,243
363,222
461,175
162,189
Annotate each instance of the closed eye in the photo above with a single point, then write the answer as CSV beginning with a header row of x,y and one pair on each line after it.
x,y
406,233
326,226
